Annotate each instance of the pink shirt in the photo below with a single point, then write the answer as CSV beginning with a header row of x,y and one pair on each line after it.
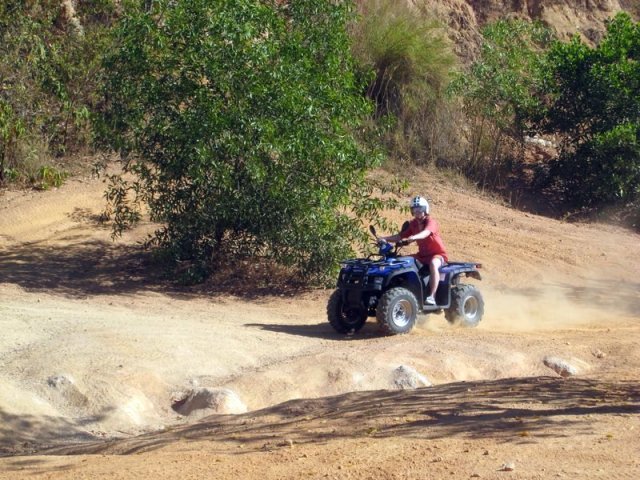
x,y
430,246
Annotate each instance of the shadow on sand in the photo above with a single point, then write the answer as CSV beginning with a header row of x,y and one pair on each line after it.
x,y
320,330
516,410
23,434
94,267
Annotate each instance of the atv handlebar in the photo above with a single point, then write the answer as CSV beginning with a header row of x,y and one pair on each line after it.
x,y
386,250
400,243
380,242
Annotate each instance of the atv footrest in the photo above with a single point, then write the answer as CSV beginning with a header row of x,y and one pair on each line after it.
x,y
426,308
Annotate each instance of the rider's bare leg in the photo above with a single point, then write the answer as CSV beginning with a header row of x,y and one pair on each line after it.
x,y
434,279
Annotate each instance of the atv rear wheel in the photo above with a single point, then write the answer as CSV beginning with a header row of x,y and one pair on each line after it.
x,y
344,319
397,311
467,306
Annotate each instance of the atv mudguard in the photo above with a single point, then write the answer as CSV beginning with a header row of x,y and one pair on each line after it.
x,y
408,278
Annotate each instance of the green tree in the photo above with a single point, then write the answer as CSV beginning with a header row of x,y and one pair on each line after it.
x,y
237,119
593,103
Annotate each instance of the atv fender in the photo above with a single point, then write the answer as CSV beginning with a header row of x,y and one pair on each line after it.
x,y
474,274
407,278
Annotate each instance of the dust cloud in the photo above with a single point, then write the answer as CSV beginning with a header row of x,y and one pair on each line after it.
x,y
552,307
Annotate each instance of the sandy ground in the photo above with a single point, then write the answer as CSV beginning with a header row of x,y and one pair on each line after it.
x,y
95,356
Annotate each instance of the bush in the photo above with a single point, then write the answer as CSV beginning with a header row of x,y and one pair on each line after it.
x,y
593,103
499,97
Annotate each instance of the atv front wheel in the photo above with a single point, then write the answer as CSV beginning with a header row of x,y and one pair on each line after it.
x,y
344,319
467,306
397,311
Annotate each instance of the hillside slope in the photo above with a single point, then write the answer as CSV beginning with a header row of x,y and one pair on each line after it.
x,y
465,18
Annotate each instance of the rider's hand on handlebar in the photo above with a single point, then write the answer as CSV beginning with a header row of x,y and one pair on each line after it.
x,y
403,243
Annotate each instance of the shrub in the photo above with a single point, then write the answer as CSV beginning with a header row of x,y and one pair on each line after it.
x,y
593,103
48,80
499,97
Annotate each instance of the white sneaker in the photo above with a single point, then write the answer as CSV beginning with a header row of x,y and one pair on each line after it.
x,y
430,300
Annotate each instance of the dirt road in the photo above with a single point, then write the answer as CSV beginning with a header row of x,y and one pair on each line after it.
x,y
96,357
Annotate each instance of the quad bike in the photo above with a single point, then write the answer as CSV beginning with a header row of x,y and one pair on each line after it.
x,y
393,288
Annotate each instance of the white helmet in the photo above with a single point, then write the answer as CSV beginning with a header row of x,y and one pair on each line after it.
x,y
419,202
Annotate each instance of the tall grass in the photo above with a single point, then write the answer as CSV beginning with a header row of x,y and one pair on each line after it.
x,y
411,60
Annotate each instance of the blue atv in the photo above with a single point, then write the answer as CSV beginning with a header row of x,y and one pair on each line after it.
x,y
393,288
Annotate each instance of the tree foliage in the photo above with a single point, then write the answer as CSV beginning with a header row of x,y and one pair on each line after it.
x,y
589,98
237,119
593,103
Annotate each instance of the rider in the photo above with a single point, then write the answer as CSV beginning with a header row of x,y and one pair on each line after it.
x,y
424,230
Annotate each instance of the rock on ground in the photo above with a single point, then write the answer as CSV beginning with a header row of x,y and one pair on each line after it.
x,y
207,401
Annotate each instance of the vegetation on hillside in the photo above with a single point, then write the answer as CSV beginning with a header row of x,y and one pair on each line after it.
x,y
48,72
249,125
499,94
586,98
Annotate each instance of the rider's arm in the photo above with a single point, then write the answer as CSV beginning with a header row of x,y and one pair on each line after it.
x,y
429,227
419,236
392,238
